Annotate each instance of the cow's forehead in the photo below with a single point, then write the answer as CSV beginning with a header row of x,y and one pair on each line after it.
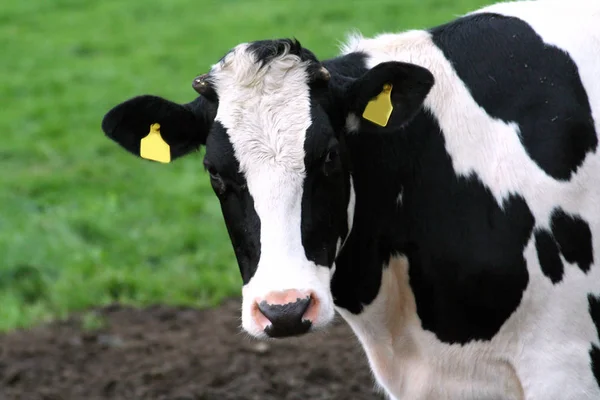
x,y
264,104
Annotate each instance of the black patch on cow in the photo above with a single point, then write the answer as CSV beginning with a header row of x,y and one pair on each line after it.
x,y
595,362
574,238
326,190
467,268
549,256
524,80
266,51
343,70
351,65
571,237
594,310
237,204
377,224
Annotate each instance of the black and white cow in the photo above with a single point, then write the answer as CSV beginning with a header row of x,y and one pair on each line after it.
x,y
461,240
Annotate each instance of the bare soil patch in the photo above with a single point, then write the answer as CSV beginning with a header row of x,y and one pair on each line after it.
x,y
178,354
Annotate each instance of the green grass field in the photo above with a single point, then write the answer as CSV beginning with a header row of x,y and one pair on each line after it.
x,y
83,223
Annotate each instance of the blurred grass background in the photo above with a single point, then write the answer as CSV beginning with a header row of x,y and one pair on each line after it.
x,y
83,223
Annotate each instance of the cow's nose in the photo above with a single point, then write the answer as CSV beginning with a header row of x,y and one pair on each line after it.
x,y
289,313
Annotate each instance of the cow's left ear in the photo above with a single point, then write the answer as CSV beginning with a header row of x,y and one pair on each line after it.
x,y
390,94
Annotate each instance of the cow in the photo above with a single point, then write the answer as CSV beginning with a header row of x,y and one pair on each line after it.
x,y
438,188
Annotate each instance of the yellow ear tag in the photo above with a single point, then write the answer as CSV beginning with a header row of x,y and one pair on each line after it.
x,y
379,109
153,147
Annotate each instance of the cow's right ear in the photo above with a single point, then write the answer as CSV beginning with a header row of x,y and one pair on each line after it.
x,y
389,95
181,128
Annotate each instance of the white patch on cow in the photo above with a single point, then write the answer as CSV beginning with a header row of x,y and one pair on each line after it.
x,y
352,123
351,207
338,248
399,198
350,210
267,128
543,348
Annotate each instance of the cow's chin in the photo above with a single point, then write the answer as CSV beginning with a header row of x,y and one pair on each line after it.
x,y
288,311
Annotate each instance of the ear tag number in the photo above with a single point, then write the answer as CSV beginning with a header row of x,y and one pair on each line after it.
x,y
153,147
379,109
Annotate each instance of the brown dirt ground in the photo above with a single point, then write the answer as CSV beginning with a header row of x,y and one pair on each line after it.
x,y
179,354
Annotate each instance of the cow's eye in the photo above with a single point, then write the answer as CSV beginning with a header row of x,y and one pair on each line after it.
x,y
215,179
212,171
214,175
332,162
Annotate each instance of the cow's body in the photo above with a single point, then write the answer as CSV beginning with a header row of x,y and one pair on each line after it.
x,y
463,249
486,307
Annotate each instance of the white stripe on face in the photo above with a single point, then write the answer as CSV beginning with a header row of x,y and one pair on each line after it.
x,y
267,113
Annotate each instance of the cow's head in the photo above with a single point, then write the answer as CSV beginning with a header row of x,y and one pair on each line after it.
x,y
274,122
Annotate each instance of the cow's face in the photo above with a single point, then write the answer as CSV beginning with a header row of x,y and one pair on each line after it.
x,y
274,122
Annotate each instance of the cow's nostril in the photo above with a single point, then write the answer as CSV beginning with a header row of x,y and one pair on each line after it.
x,y
286,319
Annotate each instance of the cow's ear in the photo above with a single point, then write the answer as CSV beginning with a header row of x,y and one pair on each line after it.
x,y
390,94
158,129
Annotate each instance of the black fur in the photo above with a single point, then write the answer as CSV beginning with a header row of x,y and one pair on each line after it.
x,y
183,127
595,362
574,238
594,310
237,205
410,85
326,190
571,237
266,51
549,256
